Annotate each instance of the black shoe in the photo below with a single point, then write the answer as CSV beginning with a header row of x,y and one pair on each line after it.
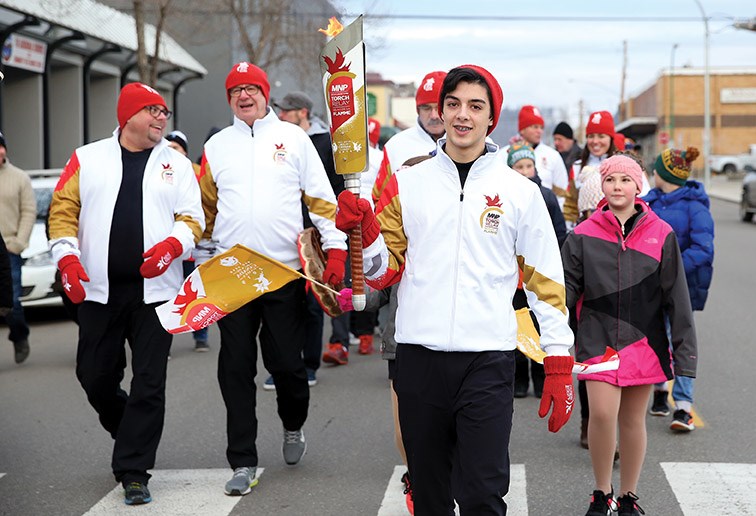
x,y
22,350
682,421
136,493
601,504
659,407
626,505
520,391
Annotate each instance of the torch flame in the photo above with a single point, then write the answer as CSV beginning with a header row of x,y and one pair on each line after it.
x,y
334,27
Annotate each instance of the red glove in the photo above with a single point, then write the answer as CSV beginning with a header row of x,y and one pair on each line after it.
x,y
352,211
335,264
557,390
71,275
159,257
345,300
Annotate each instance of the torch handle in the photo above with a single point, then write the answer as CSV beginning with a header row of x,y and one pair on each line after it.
x,y
352,183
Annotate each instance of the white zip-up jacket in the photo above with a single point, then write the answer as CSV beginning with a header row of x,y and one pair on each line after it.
x,y
458,253
253,181
81,212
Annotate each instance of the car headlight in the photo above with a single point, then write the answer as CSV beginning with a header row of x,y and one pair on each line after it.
x,y
44,259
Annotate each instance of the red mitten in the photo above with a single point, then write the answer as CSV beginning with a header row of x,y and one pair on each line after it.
x,y
71,275
557,390
352,211
335,264
345,300
159,257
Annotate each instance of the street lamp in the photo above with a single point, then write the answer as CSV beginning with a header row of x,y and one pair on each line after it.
x,y
707,107
672,96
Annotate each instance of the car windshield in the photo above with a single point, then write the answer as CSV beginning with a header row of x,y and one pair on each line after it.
x,y
43,196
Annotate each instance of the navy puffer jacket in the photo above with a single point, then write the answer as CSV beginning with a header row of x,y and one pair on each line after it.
x,y
687,211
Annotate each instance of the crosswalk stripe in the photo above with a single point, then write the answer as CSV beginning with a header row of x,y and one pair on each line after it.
x,y
713,488
177,492
394,504
2,475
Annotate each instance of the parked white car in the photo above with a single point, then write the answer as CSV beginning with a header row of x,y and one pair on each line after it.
x,y
737,162
38,270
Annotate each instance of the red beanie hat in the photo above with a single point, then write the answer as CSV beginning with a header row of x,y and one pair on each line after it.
x,y
497,96
529,115
247,73
600,122
619,141
135,96
429,89
374,131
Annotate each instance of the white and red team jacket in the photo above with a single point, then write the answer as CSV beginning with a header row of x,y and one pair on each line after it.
x,y
458,253
81,212
407,144
253,181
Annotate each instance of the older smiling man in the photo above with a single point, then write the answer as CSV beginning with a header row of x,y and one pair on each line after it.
x,y
255,175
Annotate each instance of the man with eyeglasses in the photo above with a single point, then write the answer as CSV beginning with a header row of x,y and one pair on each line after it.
x,y
254,176
125,211
418,140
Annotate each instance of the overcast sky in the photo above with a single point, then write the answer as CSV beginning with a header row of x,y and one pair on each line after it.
x,y
554,63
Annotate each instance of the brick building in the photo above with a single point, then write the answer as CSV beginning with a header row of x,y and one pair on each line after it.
x,y
672,110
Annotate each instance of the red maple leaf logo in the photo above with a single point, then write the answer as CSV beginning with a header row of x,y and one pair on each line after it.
x,y
336,65
279,146
493,202
166,166
187,295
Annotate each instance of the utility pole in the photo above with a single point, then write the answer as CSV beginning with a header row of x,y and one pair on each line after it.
x,y
581,125
622,84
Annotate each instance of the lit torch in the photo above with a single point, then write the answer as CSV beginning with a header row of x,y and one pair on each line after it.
x,y
342,63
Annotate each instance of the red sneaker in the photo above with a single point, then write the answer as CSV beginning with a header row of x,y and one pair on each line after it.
x,y
336,354
366,345
408,493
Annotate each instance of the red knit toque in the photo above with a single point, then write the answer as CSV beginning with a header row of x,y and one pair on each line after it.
x,y
429,89
374,131
135,96
529,115
247,73
600,122
497,96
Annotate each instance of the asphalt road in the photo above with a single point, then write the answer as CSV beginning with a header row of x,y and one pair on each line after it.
x,y
55,458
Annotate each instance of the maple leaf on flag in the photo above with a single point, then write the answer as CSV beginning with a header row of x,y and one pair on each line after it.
x,y
336,65
185,297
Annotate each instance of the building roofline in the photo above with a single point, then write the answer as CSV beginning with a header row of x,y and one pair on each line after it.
x,y
106,24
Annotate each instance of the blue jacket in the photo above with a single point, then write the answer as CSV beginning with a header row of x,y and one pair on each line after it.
x,y
687,211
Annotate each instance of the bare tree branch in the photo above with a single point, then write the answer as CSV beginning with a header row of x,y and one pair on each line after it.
x,y
155,61
142,65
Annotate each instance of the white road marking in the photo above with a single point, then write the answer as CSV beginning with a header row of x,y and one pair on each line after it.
x,y
176,492
393,503
713,488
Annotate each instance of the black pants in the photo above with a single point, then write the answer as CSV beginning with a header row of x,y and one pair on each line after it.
x,y
455,410
313,344
281,314
134,420
525,369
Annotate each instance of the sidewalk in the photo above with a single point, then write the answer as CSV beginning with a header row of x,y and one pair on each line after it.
x,y
724,188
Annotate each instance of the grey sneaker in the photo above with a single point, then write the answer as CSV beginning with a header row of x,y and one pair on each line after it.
x,y
242,482
201,346
294,446
22,350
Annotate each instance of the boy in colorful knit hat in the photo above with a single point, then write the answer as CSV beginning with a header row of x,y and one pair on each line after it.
x,y
683,204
